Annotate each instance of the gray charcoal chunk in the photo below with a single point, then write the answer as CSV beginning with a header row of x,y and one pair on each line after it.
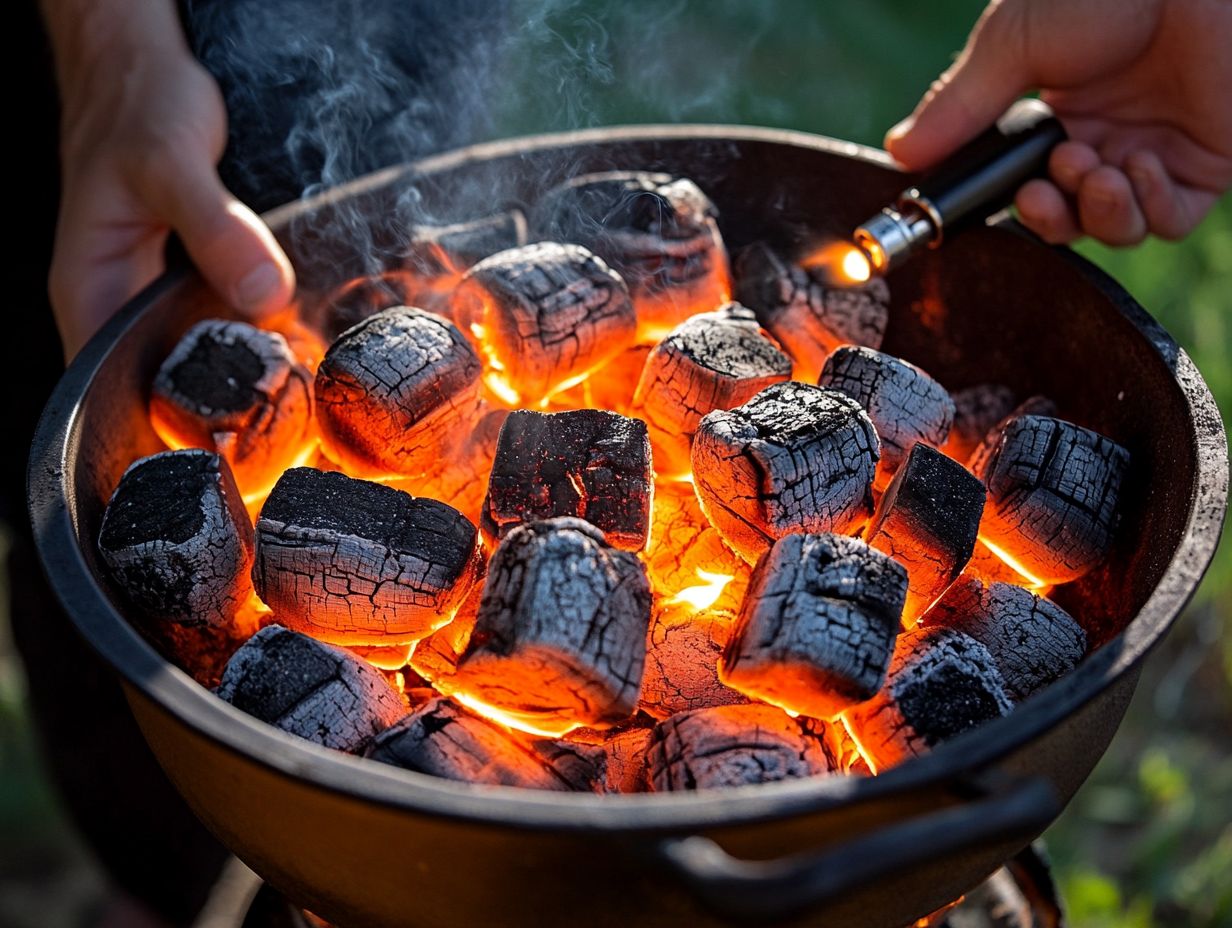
x,y
928,520
545,315
396,392
905,404
1053,491
588,463
816,630
808,314
795,458
941,684
360,563
177,541
728,746
1034,641
310,689
445,740
712,361
657,231
560,639
238,390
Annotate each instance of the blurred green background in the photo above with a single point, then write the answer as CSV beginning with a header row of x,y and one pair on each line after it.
x,y
1148,840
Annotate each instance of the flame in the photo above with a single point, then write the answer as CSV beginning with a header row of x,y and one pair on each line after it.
x,y
541,728
705,594
1014,564
843,262
502,388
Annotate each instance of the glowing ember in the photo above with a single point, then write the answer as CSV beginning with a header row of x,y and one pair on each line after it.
x,y
705,594
1017,566
531,724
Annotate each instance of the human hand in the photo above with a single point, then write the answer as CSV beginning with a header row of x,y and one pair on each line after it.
x,y
1142,88
143,126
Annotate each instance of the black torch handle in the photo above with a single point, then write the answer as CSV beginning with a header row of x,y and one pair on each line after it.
x,y
982,177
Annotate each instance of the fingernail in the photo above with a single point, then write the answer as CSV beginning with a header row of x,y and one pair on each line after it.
x,y
257,286
901,129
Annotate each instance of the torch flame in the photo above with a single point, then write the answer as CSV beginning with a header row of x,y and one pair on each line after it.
x,y
842,262
706,594
855,266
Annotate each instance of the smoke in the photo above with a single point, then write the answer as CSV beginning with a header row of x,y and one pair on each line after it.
x,y
321,92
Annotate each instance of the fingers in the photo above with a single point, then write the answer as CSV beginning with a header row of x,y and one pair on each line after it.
x,y
1166,210
1044,210
227,241
1108,209
1069,163
990,74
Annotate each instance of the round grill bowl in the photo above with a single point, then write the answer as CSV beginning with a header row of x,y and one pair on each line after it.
x,y
364,844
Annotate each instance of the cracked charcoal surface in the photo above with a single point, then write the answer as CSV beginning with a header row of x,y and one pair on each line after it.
x,y
928,520
941,683
396,392
658,232
816,631
312,690
177,541
625,760
682,654
1033,641
712,361
905,404
809,316
1053,489
545,314
795,458
587,463
561,630
355,562
443,739
730,746
976,410
454,247
240,391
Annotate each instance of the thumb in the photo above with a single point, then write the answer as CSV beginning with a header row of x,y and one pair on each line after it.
x,y
230,245
990,74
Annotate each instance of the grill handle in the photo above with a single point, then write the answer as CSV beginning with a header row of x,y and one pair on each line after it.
x,y
1006,809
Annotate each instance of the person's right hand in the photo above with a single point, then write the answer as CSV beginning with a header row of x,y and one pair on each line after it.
x,y
1144,88
143,127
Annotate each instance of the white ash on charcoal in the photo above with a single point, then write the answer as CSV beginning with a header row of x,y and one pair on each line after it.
x,y
806,312
451,248
396,393
816,631
712,361
560,640
728,746
443,739
688,560
1053,489
587,463
1034,641
545,316
657,231
177,541
612,386
682,654
358,563
905,404
977,409
310,689
240,391
927,520
941,684
794,458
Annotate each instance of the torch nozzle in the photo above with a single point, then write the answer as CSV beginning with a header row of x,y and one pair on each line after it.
x,y
973,183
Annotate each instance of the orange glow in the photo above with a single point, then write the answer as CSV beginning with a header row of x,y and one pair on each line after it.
x,y
502,388
530,724
705,594
1017,566
842,262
